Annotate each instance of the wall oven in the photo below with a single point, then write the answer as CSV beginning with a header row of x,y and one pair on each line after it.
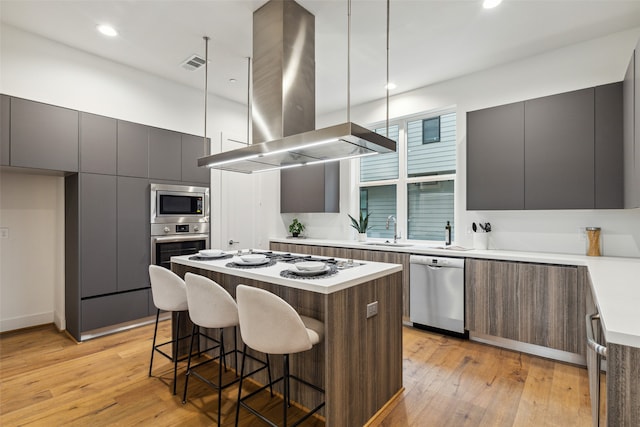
x,y
179,221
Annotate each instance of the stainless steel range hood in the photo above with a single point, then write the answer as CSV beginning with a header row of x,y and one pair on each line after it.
x,y
334,143
284,100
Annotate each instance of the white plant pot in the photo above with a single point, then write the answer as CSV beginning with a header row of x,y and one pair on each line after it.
x,y
362,237
481,240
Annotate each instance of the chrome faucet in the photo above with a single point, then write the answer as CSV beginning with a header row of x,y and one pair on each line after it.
x,y
395,227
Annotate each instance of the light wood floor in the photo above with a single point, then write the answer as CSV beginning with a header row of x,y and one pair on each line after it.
x,y
47,379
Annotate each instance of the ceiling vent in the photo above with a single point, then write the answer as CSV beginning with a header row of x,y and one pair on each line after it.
x,y
193,62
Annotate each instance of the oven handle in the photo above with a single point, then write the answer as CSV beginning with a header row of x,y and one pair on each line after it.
x,y
181,238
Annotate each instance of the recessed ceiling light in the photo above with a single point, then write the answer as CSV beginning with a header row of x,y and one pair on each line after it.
x,y
232,80
490,4
107,30
390,86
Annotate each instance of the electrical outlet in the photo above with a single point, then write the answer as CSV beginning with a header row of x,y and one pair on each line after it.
x,y
4,232
372,309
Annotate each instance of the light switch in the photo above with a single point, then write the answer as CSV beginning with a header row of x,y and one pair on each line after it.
x,y
4,232
372,309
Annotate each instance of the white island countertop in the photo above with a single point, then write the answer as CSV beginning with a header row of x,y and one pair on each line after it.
x,y
345,278
615,281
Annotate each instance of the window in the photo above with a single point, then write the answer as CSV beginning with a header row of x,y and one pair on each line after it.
x,y
416,183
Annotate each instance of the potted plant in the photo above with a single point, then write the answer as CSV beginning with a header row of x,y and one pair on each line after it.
x,y
296,227
361,226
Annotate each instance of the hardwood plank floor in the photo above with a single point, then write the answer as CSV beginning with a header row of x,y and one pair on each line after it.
x,y
47,379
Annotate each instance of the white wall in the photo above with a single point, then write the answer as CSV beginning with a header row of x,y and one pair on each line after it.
x,y
32,257
41,70
588,64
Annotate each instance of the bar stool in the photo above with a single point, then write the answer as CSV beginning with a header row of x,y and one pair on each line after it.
x,y
210,306
270,325
169,294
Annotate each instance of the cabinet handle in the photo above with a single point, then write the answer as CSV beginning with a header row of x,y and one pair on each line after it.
x,y
591,342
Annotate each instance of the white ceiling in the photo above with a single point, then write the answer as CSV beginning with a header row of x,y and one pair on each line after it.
x,y
431,40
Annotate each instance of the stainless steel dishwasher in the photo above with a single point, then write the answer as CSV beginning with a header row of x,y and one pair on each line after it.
x,y
437,294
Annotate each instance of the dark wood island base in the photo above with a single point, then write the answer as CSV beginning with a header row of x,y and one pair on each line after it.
x,y
359,363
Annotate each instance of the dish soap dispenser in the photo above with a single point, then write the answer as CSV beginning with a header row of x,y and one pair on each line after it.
x,y
447,234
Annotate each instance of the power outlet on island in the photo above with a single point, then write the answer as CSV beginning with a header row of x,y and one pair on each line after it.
x,y
372,309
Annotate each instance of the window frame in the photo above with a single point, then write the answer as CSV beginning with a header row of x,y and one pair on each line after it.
x,y
403,180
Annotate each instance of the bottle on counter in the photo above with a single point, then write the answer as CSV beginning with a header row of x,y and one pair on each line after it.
x,y
447,234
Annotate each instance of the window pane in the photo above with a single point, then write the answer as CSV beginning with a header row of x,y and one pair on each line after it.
x,y
381,166
380,201
430,207
436,158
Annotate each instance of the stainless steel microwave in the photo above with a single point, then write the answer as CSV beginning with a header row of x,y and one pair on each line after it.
x,y
179,204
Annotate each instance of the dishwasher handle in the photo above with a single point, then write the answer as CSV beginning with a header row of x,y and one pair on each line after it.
x,y
591,342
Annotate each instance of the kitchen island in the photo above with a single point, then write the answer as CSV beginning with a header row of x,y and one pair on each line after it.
x,y
359,362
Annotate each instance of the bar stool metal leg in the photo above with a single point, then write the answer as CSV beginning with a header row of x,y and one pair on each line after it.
x,y
153,346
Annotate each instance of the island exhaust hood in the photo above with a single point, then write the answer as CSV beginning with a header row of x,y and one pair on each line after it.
x,y
283,107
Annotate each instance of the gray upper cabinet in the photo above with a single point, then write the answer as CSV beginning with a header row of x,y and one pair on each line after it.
x,y
5,120
133,233
133,149
559,151
165,153
97,234
495,156
43,136
631,196
98,144
192,150
313,188
636,121
608,147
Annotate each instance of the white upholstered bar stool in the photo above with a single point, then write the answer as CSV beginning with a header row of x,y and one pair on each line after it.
x,y
169,294
212,307
270,325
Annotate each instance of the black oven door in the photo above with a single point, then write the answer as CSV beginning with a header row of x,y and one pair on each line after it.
x,y
164,247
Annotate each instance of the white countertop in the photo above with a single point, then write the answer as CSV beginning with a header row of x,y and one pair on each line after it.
x,y
345,278
615,281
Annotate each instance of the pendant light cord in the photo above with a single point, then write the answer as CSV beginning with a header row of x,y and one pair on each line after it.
x,y
387,85
206,91
348,61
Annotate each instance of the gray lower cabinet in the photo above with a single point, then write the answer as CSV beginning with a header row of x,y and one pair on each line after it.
x,y
133,149
98,224
192,150
559,151
609,182
314,188
5,120
43,136
114,309
531,303
133,233
98,144
165,154
495,153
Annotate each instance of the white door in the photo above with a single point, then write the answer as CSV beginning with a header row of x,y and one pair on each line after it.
x,y
237,204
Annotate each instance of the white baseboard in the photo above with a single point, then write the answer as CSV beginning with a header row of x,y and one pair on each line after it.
x,y
26,321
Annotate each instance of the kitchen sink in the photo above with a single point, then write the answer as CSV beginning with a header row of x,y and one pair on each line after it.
x,y
397,245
